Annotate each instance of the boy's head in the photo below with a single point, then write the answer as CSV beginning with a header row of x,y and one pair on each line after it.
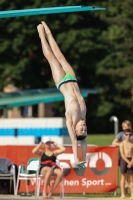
x,y
128,133
126,125
81,130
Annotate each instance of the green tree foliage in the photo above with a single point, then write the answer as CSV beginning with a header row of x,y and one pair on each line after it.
x,y
114,67
98,45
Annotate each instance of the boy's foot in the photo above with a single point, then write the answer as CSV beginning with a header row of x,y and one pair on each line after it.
x,y
46,28
122,197
41,31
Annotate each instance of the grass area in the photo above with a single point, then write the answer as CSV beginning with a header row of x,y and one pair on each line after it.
x,y
101,139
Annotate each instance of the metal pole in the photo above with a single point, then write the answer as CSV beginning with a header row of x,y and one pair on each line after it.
x,y
116,121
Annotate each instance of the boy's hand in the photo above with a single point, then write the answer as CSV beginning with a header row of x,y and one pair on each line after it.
x,y
81,164
129,165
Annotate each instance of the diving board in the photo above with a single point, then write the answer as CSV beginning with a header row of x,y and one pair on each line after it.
x,y
32,97
52,10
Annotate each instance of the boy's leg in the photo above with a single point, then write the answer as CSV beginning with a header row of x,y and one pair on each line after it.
x,y
123,177
131,184
127,180
56,68
127,183
58,54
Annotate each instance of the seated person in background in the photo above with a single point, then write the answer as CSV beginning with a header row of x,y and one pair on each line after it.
x,y
48,166
126,164
119,138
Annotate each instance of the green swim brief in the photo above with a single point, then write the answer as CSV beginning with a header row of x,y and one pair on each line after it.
x,y
67,78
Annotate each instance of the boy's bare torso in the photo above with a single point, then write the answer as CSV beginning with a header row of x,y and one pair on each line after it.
x,y
74,102
127,149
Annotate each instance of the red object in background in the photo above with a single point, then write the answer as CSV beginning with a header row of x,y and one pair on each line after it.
x,y
99,176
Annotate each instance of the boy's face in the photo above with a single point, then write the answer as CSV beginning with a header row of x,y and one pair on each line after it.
x,y
127,134
81,128
125,126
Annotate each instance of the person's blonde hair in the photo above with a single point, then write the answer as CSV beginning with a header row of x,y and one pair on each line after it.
x,y
127,122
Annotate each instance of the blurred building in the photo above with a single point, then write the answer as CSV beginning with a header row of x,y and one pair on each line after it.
x,y
40,110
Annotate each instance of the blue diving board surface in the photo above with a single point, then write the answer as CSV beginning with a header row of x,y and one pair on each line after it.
x,y
52,10
37,132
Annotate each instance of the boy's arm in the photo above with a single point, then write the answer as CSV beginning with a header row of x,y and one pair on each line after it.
x,y
73,140
84,148
116,141
123,154
132,155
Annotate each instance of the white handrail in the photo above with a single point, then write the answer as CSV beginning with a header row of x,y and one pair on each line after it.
x,y
116,121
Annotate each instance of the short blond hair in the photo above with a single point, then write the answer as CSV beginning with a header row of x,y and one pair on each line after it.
x,y
127,122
